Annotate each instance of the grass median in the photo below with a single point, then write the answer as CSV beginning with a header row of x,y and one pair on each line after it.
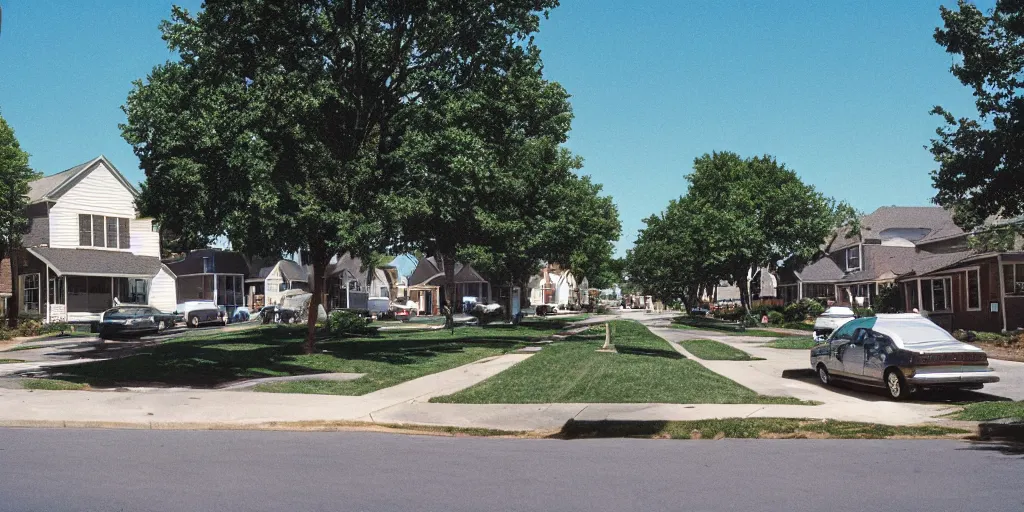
x,y
792,343
387,359
710,350
645,369
986,411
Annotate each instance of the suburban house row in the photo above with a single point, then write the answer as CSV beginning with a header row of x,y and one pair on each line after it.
x,y
922,252
87,248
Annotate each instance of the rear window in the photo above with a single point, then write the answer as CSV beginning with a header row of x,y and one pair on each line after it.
x,y
913,333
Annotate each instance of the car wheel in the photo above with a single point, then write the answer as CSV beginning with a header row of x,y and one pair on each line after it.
x,y
161,326
193,321
823,375
896,385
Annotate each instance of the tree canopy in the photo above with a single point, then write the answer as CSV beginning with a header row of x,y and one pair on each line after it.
x,y
737,216
276,125
981,160
15,175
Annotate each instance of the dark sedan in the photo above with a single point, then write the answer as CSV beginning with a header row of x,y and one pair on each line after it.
x,y
127,321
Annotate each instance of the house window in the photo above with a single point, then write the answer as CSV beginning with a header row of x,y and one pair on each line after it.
x,y
819,291
100,231
30,293
973,289
1013,279
207,265
911,289
124,234
131,291
853,259
353,286
85,230
283,287
383,291
229,291
55,290
935,295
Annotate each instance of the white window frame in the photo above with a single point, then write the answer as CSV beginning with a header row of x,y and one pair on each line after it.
x,y
39,292
967,288
859,259
117,231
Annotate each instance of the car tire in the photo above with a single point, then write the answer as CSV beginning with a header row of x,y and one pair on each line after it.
x,y
823,375
896,385
193,321
161,326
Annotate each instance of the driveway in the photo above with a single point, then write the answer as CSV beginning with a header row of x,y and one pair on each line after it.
x,y
787,372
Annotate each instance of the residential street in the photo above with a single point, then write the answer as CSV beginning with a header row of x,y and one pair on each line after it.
x,y
73,470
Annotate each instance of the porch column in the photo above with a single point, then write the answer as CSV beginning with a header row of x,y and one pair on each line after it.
x,y
920,297
215,288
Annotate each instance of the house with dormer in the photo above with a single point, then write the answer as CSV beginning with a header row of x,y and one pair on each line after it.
x,y
87,248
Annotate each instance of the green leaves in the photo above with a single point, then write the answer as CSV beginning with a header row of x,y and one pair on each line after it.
x,y
738,214
15,175
980,162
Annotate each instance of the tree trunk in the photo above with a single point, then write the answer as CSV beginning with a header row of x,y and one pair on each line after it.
x,y
319,269
449,291
13,305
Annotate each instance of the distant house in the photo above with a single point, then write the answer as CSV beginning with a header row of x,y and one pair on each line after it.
x,y
211,274
266,286
926,256
427,290
553,285
87,247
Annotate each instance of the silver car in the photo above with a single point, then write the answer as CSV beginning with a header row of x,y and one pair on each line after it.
x,y
900,353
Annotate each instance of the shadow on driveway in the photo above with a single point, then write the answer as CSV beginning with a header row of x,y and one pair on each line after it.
x,y
871,394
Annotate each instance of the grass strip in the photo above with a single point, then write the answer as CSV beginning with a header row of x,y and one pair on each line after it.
x,y
986,411
53,385
750,428
792,343
711,350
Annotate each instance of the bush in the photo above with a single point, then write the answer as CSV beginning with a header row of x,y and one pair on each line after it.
x,y
57,328
341,323
601,310
800,311
776,318
29,327
889,299
6,334
862,312
731,314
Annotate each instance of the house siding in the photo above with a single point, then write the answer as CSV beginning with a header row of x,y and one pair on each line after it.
x,y
163,292
272,287
144,241
99,193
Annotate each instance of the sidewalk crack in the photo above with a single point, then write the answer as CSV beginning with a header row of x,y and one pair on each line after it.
x,y
755,411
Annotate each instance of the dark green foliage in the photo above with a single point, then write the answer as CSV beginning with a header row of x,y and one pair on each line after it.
x,y
862,312
347,323
889,299
980,164
776,318
803,310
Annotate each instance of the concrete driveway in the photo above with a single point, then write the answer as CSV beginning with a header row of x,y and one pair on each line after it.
x,y
787,372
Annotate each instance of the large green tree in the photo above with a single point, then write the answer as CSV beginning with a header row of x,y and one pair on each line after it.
x,y
482,162
276,124
771,214
981,160
15,175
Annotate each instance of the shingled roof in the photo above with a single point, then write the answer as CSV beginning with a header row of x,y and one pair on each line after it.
x,y
936,220
94,262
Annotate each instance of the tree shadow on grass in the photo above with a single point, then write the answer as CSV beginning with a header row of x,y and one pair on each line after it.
x,y
649,352
205,363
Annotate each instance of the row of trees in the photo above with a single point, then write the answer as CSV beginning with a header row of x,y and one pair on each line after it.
x,y
15,175
336,126
739,214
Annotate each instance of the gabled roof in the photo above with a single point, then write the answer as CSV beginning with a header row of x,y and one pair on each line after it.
x,y
96,262
823,270
224,262
428,270
50,188
936,220
292,271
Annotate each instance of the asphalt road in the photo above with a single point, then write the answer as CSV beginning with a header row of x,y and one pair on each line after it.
x,y
113,470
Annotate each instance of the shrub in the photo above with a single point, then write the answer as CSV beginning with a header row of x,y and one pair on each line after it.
x,y
57,327
862,312
800,311
731,314
29,327
601,310
889,299
776,318
341,323
960,334
5,333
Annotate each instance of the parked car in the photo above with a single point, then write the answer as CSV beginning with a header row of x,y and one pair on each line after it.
x,y
900,353
126,321
201,312
278,315
547,309
832,319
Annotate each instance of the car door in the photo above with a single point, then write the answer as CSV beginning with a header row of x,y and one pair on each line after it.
x,y
853,354
877,350
837,346
144,319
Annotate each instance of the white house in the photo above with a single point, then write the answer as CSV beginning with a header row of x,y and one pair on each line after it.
x,y
87,246
553,286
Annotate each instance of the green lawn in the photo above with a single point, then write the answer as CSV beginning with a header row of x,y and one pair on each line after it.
x,y
387,359
715,351
9,361
53,385
985,411
749,428
645,369
792,342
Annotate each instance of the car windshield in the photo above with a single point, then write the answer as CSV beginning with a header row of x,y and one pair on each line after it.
x,y
122,312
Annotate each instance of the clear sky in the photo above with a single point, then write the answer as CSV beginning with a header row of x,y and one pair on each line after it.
x,y
839,91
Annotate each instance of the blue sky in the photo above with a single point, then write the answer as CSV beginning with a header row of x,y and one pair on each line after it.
x,y
839,91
